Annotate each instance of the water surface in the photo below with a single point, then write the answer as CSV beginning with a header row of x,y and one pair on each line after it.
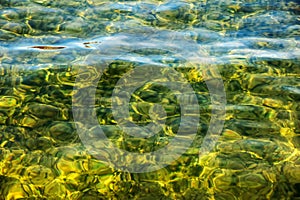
x,y
251,45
